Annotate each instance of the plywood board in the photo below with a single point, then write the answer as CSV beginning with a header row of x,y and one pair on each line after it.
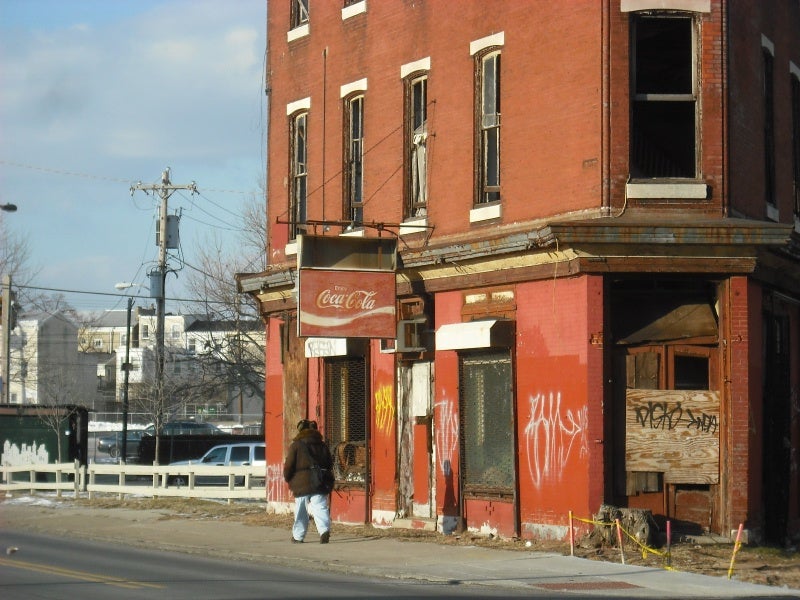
x,y
674,432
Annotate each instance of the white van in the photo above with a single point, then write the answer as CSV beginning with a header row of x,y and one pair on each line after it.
x,y
224,455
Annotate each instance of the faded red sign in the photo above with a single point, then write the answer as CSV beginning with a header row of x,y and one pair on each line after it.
x,y
337,303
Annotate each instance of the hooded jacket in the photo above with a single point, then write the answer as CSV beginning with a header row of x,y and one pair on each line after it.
x,y
296,469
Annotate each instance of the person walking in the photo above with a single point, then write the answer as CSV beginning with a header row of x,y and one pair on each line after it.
x,y
307,452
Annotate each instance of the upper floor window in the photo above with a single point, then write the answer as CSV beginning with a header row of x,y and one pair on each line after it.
x,y
416,134
354,159
664,98
487,104
796,142
768,61
145,332
176,332
98,343
299,174
299,13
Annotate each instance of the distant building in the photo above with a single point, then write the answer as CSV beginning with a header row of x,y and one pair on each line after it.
x,y
45,364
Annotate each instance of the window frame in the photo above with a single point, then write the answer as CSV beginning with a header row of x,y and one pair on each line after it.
x,y
795,108
644,101
415,141
298,173
299,13
353,158
487,192
768,98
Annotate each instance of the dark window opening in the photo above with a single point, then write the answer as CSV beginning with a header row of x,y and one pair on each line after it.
x,y
354,160
691,372
488,115
769,127
664,103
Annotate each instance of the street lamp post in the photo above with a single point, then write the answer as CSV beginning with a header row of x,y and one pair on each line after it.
x,y
126,366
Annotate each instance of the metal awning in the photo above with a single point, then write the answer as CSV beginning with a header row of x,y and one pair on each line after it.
x,y
475,334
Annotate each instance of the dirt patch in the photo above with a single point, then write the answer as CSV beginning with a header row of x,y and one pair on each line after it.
x,y
753,564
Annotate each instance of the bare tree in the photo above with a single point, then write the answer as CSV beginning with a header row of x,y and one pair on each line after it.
x,y
232,353
57,391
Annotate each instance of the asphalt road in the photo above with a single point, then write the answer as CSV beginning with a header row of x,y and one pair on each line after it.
x,y
45,567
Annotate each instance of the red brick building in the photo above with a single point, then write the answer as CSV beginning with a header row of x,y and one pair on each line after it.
x,y
596,208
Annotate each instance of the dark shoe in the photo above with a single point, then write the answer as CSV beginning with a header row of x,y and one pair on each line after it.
x,y
294,541
323,539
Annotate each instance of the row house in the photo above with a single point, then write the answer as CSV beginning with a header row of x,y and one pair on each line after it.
x,y
590,213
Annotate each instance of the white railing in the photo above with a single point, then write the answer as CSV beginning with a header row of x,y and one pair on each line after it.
x,y
231,483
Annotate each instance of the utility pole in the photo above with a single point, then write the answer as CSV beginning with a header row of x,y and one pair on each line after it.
x,y
164,190
5,344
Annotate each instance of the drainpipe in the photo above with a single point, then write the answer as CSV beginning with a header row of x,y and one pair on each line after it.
x,y
605,110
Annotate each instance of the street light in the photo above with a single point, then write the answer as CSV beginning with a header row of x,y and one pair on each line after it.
x,y
8,207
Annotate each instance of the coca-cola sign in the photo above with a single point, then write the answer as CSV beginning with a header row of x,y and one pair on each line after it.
x,y
337,303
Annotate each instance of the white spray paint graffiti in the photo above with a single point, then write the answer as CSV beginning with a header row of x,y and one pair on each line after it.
x,y
551,435
276,487
446,434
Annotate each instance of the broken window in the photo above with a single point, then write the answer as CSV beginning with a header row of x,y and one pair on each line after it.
x,y
487,104
487,422
416,146
299,13
354,160
796,142
299,175
769,127
664,102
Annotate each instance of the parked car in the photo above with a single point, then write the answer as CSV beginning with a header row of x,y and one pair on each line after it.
x,y
224,455
112,443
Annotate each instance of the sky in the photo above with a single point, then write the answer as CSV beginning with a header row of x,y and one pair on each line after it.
x,y
98,95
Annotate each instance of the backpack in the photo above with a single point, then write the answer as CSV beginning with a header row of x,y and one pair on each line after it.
x,y
322,479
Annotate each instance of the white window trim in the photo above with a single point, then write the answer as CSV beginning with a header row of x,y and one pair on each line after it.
x,y
298,105
356,86
700,6
693,191
768,44
772,213
354,233
297,32
485,213
497,39
423,64
354,9
794,69
417,225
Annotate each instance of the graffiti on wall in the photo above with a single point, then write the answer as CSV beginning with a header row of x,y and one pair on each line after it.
x,y
552,435
674,432
446,434
384,410
276,486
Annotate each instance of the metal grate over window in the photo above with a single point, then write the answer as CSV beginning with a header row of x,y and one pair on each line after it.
x,y
346,417
487,422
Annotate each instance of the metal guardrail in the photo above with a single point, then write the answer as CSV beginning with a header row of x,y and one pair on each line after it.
x,y
136,480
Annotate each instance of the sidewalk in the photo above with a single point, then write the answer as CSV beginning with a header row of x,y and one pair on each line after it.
x,y
374,557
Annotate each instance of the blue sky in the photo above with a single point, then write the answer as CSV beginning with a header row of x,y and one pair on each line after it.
x,y
96,95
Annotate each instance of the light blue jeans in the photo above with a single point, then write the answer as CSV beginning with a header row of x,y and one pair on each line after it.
x,y
317,504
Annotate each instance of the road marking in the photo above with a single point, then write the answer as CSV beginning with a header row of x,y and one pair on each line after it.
x,y
82,575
